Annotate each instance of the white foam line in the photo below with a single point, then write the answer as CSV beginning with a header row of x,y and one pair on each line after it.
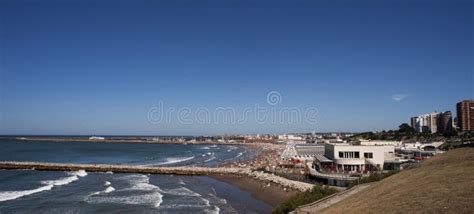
x,y
138,182
175,160
12,195
182,191
210,159
62,181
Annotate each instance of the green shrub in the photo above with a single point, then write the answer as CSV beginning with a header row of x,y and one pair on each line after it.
x,y
303,198
372,178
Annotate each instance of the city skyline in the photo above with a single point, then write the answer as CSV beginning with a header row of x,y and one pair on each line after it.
x,y
63,72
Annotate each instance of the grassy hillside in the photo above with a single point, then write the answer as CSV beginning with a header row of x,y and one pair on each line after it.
x,y
444,183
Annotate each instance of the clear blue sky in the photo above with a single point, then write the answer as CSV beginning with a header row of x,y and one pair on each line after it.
x,y
97,67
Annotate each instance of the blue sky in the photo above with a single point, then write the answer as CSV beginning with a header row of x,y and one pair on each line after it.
x,y
98,67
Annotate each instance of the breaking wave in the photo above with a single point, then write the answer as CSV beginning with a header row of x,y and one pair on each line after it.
x,y
49,184
212,158
148,194
175,160
106,190
12,195
181,191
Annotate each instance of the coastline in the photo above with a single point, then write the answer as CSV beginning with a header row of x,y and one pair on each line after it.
x,y
268,192
256,167
247,174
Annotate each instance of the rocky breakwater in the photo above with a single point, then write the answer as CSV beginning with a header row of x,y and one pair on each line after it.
x,y
287,183
258,175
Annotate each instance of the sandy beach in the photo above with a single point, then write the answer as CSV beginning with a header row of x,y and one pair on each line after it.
x,y
270,193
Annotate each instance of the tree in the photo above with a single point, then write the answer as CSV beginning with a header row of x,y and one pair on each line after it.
x,y
405,128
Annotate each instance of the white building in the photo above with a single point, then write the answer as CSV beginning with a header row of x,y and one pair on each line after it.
x,y
289,138
426,122
343,157
336,140
397,144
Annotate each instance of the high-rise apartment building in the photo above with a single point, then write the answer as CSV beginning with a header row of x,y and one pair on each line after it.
x,y
421,123
433,122
465,115
427,123
445,121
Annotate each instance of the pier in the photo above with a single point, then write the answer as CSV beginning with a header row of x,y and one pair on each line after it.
x,y
116,168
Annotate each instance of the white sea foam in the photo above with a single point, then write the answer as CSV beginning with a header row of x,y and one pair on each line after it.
x,y
195,202
107,183
80,173
149,195
67,180
154,198
109,172
216,210
12,195
144,187
62,181
49,184
212,158
181,182
181,206
175,160
220,200
181,191
107,190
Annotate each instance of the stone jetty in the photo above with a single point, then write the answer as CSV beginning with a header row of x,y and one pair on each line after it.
x,y
259,175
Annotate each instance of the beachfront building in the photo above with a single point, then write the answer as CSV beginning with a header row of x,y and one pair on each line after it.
x,y
309,150
335,140
302,152
289,138
347,158
397,144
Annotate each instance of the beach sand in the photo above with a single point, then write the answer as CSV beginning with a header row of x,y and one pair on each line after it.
x,y
273,194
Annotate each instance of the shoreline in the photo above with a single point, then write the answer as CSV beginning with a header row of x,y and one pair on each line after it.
x,y
246,174
267,155
270,193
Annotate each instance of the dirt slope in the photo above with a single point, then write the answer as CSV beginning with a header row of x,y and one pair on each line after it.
x,y
442,184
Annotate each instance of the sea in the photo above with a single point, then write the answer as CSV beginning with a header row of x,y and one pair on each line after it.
x,y
30,191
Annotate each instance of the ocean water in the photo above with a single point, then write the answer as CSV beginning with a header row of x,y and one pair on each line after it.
x,y
30,191
123,153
